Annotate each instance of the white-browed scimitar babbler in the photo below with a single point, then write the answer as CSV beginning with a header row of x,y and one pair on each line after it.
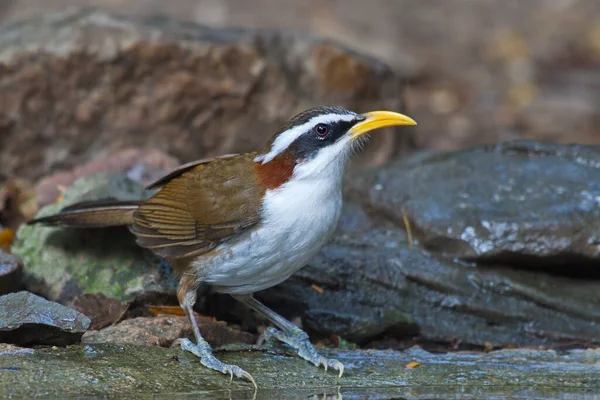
x,y
243,223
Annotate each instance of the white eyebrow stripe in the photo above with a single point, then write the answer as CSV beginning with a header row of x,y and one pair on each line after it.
x,y
286,138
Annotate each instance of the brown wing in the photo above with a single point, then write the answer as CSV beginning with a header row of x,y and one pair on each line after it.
x,y
200,207
184,168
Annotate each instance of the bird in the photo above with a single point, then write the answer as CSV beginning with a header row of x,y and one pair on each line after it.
x,y
242,223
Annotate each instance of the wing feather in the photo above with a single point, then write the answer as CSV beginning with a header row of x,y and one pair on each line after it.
x,y
199,207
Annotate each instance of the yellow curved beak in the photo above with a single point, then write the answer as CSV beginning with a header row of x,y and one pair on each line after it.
x,y
379,119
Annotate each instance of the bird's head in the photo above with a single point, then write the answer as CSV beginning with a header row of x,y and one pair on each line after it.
x,y
317,143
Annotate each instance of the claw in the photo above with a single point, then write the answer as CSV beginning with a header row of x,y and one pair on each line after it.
x,y
335,364
250,378
299,341
204,353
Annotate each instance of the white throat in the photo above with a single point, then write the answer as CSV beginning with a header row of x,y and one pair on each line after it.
x,y
302,214
327,165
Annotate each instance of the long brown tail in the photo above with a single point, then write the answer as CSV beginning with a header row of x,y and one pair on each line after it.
x,y
92,214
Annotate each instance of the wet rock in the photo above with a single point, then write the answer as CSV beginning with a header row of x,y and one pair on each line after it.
x,y
525,204
92,81
371,282
102,310
125,370
162,331
63,263
350,298
7,348
140,165
27,319
374,282
10,273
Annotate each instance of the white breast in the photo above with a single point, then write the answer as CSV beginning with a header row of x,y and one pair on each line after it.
x,y
298,219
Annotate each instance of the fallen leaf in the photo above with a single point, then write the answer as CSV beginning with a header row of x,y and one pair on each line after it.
x,y
165,310
488,346
160,310
317,288
408,229
6,237
413,364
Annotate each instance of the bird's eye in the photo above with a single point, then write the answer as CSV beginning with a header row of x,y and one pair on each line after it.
x,y
321,130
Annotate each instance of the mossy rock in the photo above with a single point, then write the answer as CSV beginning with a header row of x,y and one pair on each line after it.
x,y
60,263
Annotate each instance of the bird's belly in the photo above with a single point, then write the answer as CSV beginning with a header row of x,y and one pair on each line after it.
x,y
268,254
256,264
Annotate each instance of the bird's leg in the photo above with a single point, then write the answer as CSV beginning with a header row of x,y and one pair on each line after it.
x,y
186,294
290,334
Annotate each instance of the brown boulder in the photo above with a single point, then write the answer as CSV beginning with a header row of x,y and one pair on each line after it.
x,y
79,84
140,165
163,330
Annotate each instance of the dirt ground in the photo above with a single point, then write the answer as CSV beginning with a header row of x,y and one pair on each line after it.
x,y
479,71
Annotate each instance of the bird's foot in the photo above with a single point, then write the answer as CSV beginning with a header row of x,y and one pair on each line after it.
x,y
204,352
299,340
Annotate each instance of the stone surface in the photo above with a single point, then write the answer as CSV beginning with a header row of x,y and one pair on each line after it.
x,y
77,84
525,204
530,70
117,370
373,284
27,319
140,165
10,273
7,348
102,310
163,330
63,263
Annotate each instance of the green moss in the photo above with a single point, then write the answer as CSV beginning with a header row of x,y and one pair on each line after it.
x,y
60,262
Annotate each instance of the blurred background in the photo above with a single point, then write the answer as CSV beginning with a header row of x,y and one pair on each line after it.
x,y
478,71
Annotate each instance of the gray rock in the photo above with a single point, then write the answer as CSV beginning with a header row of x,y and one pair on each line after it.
x,y
529,205
109,370
369,282
63,263
525,204
374,284
10,273
27,319
96,82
